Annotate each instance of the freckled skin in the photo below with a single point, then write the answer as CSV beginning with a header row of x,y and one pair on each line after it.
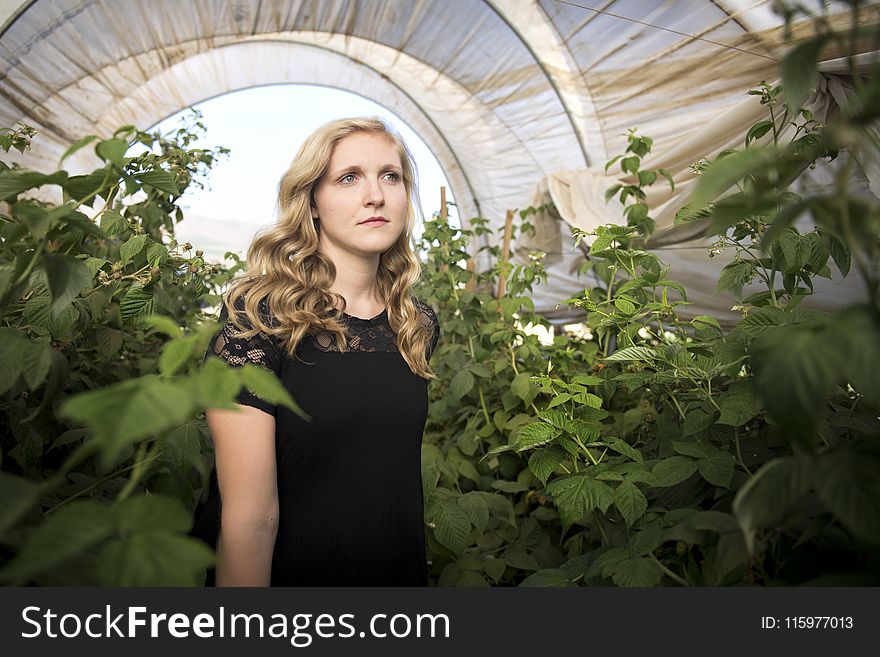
x,y
362,180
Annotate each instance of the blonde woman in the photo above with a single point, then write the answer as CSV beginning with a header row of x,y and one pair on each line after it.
x,y
326,305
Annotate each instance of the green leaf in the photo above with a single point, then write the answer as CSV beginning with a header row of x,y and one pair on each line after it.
x,y
154,558
758,130
132,247
638,572
451,526
739,405
130,411
461,384
735,275
630,164
266,385
847,483
725,172
798,71
696,421
175,354
577,495
621,446
19,495
672,470
136,303
543,462
476,509
142,513
164,325
36,360
77,145
769,493
560,398
15,181
840,253
717,467
67,277
109,341
113,223
795,367
62,535
760,320
112,150
630,501
549,577
161,180
625,306
632,354
534,435
517,557
796,250
521,386
706,319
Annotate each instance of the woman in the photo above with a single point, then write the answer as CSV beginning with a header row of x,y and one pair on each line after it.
x,y
326,306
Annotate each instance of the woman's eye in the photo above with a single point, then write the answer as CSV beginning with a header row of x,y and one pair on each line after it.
x,y
394,176
346,176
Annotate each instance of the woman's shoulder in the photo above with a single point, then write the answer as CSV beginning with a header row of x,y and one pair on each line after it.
x,y
428,314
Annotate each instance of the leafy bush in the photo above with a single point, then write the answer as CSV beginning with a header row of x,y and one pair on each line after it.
x,y
671,452
104,447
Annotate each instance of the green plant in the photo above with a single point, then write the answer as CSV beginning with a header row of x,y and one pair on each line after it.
x,y
103,446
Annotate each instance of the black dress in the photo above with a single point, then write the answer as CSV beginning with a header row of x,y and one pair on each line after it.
x,y
349,481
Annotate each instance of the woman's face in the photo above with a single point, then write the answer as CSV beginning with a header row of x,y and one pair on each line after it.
x,y
361,199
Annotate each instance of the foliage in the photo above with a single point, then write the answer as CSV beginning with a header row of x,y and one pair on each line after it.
x,y
103,443
671,452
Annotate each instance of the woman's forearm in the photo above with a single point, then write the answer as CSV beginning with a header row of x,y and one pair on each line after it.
x,y
244,550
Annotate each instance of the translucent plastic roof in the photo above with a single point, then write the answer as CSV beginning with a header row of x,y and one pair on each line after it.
x,y
506,92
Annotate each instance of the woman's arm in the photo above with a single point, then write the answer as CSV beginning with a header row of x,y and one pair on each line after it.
x,y
244,446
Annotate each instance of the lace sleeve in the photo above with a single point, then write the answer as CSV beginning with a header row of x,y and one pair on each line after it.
x,y
431,323
237,351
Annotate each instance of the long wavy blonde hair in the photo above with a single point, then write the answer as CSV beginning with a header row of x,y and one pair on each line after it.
x,y
287,270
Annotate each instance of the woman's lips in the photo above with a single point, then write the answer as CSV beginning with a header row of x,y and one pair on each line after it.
x,y
374,221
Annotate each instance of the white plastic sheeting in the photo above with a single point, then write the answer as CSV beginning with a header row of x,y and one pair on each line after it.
x,y
510,94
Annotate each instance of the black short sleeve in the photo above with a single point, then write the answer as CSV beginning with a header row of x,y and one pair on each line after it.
x,y
260,349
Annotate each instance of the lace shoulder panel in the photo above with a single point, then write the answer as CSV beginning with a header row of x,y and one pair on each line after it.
x,y
431,324
260,349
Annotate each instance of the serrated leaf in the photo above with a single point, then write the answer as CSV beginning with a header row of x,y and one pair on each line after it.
x,y
673,470
630,501
717,467
161,180
476,509
153,559
548,577
769,493
632,354
451,526
112,150
577,495
521,386
67,277
62,535
461,384
847,483
19,495
141,513
136,303
798,71
175,354
36,359
133,246
621,446
735,275
544,461
638,572
739,405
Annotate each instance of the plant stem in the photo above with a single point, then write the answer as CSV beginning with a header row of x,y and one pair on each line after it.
x,y
671,574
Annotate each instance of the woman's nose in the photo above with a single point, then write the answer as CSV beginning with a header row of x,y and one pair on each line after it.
x,y
374,194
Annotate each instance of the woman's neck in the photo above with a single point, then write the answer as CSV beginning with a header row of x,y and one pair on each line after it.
x,y
356,282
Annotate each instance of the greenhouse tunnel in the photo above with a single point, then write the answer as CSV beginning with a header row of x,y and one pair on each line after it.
x,y
522,102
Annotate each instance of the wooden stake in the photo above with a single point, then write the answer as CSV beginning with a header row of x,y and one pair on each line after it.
x,y
471,285
444,217
505,254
